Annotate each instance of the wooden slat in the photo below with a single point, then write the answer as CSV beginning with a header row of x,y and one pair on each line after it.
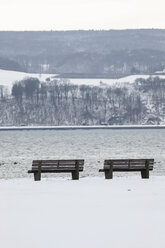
x,y
61,161
127,169
128,160
56,167
56,162
126,164
54,170
131,159
60,165
130,169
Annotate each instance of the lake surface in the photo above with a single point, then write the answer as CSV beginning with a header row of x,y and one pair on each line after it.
x,y
19,148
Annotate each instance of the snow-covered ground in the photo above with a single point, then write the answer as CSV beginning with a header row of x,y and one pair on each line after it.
x,y
104,81
7,78
89,213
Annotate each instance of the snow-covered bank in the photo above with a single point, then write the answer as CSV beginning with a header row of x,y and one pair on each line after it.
x,y
12,128
89,213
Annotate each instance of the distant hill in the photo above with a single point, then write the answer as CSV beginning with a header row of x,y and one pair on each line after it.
x,y
9,64
112,53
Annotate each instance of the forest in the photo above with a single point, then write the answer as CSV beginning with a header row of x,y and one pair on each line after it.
x,y
58,102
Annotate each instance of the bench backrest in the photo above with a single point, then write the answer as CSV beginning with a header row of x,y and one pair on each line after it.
x,y
129,163
58,164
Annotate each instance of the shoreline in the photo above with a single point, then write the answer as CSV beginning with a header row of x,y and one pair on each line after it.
x,y
21,128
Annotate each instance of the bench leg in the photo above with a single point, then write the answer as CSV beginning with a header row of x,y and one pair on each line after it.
x,y
37,176
75,175
109,173
145,173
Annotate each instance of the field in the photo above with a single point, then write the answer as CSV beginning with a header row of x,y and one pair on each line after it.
x,y
7,78
92,213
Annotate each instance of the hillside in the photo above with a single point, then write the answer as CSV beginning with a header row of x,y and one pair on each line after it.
x,y
111,53
60,103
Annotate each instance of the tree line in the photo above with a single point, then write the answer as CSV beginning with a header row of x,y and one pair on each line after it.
x,y
60,103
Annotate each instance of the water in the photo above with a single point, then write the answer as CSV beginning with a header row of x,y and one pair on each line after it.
x,y
19,148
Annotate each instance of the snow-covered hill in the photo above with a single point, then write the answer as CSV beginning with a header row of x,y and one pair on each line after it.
x,y
7,78
107,81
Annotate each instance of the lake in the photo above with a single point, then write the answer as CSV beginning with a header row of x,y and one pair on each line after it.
x,y
19,148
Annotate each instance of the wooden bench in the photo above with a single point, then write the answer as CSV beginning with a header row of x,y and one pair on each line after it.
x,y
142,165
56,166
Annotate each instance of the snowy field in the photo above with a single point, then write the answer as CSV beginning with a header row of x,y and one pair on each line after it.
x,y
126,212
107,81
7,78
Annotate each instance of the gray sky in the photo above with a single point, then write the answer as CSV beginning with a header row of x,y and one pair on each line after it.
x,y
81,14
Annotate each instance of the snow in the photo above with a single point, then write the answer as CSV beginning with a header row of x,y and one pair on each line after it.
x,y
124,212
75,127
107,81
7,78
96,81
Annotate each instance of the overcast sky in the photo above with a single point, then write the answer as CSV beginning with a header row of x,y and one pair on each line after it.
x,y
81,14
